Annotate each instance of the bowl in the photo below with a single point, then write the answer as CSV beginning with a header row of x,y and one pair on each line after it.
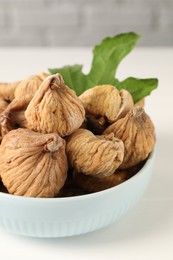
x,y
69,216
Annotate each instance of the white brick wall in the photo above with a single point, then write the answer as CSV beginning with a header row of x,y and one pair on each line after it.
x,y
83,22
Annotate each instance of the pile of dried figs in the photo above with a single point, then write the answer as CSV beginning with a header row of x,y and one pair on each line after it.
x,y
55,144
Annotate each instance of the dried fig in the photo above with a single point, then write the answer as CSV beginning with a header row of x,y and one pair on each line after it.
x,y
106,101
126,103
3,105
33,164
94,155
14,115
137,132
94,184
30,85
7,90
55,108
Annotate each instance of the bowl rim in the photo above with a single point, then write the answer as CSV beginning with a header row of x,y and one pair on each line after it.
x,y
81,197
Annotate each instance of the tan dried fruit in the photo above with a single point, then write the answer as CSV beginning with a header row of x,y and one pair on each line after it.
x,y
126,103
94,155
55,108
33,164
7,90
30,85
3,105
106,101
14,115
93,184
137,132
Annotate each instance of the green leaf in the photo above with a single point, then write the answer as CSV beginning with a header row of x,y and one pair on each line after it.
x,y
139,88
106,58
108,55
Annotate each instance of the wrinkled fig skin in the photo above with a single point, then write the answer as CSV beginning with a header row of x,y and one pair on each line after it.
x,y
93,184
126,103
3,105
97,156
30,85
33,164
7,90
137,132
13,116
55,108
19,119
106,101
100,101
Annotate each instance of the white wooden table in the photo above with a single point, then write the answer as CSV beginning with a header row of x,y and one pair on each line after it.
x,y
144,233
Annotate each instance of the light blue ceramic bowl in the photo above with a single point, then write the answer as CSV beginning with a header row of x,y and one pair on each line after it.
x,y
62,217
